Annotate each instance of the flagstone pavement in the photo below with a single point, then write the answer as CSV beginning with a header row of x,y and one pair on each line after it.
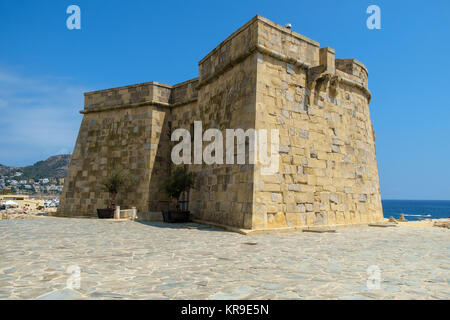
x,y
61,258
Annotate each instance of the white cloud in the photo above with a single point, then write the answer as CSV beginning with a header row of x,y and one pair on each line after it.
x,y
39,117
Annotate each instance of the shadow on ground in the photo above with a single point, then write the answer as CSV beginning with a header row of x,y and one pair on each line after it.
x,y
178,226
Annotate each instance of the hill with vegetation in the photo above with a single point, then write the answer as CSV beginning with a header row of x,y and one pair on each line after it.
x,y
53,167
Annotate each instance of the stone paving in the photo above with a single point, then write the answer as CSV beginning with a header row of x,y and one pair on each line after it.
x,y
132,260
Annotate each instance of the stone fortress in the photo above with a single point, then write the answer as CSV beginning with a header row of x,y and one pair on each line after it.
x,y
263,76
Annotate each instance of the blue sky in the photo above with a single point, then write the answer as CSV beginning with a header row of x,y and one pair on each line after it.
x,y
45,68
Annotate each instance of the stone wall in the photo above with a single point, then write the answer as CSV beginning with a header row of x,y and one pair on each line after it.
x,y
263,76
224,192
328,171
124,139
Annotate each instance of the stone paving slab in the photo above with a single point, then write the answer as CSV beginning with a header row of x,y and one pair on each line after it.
x,y
132,260
382,225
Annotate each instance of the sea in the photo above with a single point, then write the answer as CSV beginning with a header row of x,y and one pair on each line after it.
x,y
416,209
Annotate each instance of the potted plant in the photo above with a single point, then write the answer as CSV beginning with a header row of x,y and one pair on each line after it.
x,y
178,182
114,183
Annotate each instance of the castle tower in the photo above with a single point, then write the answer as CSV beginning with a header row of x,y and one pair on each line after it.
x,y
263,76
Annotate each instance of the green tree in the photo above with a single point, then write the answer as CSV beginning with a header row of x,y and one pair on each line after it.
x,y
178,182
117,181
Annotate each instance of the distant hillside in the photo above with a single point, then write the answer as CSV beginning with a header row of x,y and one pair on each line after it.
x,y
53,167
6,171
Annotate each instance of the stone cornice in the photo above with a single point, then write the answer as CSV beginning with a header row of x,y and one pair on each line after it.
x,y
257,48
125,106
182,103
282,57
356,85
143,84
279,56
137,105
330,77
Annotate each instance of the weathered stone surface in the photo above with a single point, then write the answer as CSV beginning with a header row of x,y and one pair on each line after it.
x,y
64,294
294,187
262,77
381,225
138,261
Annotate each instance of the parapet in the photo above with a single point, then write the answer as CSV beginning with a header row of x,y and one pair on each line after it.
x,y
259,34
148,92
354,70
237,46
184,92
285,43
155,93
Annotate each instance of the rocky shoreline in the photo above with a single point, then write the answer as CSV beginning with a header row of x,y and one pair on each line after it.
x,y
442,223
